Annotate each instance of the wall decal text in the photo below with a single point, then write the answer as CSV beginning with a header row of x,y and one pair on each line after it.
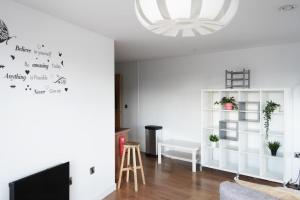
x,y
56,66
61,80
43,53
54,91
38,77
39,91
36,68
41,66
22,49
15,77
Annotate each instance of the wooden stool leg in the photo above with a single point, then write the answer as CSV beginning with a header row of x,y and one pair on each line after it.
x,y
121,168
128,164
141,165
134,169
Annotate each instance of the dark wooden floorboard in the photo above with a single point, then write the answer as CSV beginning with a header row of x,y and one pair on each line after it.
x,y
174,180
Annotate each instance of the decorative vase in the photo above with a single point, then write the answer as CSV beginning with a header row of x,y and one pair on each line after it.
x,y
228,106
274,152
213,144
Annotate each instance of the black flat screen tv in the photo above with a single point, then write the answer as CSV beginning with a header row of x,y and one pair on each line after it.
x,y
50,184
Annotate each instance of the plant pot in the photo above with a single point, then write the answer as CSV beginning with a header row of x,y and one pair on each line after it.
x,y
228,106
213,144
274,152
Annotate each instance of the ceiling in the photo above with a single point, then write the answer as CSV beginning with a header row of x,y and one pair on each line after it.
x,y
257,23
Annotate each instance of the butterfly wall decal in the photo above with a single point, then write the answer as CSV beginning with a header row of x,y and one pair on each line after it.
x,y
4,33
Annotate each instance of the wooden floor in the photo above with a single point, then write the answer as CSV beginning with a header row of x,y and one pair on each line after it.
x,y
174,180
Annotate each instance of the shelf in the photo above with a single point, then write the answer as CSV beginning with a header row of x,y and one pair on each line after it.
x,y
217,128
250,131
243,132
179,155
212,163
274,167
243,111
229,129
276,134
230,90
230,121
251,151
278,113
250,120
237,79
242,147
231,148
211,157
280,157
221,110
238,86
239,72
224,125
250,171
272,176
212,148
229,158
231,167
212,128
249,111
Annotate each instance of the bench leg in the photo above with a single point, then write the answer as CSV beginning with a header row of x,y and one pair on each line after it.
x,y
159,153
194,161
200,158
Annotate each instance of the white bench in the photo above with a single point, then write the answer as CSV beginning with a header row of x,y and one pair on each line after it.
x,y
180,150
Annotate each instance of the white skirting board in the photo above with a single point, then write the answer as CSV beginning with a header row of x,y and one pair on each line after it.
x,y
107,192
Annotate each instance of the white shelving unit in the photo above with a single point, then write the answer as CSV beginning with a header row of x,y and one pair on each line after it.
x,y
248,155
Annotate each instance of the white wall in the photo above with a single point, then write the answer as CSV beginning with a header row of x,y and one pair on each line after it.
x,y
169,89
40,131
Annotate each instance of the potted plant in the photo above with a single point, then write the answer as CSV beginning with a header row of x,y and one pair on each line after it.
x,y
214,139
268,111
274,146
229,103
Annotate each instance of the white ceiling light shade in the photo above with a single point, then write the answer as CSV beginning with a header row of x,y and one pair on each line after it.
x,y
185,18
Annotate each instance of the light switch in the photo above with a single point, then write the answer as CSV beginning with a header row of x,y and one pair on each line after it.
x,y
92,170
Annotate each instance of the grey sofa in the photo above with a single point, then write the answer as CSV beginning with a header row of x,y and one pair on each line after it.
x,y
233,191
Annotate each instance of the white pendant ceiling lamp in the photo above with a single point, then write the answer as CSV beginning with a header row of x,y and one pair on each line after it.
x,y
185,18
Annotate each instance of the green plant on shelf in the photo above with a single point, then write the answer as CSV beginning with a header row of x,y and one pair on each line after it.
x,y
273,146
213,138
268,111
229,103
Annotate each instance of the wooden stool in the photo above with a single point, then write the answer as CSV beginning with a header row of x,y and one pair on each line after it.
x,y
131,147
